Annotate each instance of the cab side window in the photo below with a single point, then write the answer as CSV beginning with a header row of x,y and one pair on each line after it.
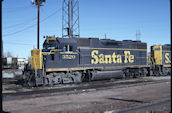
x,y
67,48
70,48
52,56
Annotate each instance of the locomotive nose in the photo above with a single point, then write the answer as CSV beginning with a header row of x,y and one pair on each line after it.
x,y
36,59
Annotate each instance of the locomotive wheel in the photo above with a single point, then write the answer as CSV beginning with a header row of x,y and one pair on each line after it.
x,y
32,83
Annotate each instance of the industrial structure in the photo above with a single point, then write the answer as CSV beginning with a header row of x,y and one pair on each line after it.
x,y
70,19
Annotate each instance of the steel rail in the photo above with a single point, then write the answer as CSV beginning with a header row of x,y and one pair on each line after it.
x,y
74,89
143,106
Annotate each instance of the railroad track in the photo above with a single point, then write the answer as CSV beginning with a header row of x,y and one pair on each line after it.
x,y
148,108
77,88
8,81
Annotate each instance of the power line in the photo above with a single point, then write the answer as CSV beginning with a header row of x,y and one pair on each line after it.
x,y
12,10
12,43
50,15
18,24
17,8
19,30
31,25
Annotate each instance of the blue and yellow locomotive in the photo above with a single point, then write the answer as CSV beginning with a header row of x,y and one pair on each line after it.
x,y
73,60
161,59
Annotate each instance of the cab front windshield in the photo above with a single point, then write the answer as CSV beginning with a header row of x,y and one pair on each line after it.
x,y
52,44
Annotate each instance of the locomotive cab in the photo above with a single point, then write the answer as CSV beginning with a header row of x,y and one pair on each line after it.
x,y
57,55
49,45
161,59
37,59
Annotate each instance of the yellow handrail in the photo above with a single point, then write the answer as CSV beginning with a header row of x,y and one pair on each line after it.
x,y
153,63
35,68
43,70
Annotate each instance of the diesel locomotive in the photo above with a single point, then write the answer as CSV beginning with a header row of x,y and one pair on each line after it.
x,y
161,59
73,60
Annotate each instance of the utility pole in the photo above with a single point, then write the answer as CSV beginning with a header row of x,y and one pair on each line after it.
x,y
138,35
70,19
38,3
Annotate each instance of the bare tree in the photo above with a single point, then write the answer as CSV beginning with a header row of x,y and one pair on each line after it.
x,y
7,54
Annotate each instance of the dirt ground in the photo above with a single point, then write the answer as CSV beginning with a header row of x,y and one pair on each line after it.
x,y
96,101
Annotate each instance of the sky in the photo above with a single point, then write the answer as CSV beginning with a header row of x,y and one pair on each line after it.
x,y
118,19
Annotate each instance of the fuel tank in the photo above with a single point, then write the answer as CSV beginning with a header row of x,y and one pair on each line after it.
x,y
100,75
